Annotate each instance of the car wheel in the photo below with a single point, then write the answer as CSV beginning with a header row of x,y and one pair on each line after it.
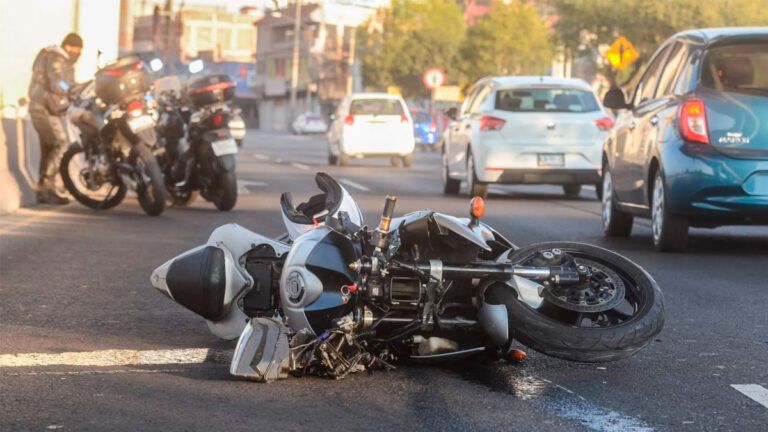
x,y
670,232
450,186
394,161
572,190
599,190
407,160
332,160
474,186
616,223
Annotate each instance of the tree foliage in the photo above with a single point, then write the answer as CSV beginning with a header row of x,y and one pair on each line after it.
x,y
415,35
511,40
647,23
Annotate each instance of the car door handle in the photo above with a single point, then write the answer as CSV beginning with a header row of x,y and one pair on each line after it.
x,y
655,120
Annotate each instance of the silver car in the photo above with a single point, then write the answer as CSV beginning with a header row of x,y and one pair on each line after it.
x,y
525,130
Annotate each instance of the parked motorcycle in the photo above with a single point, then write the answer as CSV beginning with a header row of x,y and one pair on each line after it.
x,y
116,124
333,297
199,146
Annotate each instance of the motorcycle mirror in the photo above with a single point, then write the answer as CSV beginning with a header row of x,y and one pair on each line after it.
x,y
476,210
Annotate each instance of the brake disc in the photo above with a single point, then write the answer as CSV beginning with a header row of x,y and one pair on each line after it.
x,y
603,290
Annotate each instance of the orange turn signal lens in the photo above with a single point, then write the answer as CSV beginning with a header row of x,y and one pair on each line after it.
x,y
477,207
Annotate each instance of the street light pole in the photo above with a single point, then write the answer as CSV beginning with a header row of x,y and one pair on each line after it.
x,y
295,60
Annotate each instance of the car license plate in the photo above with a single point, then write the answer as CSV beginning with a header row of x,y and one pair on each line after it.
x,y
551,159
138,124
224,147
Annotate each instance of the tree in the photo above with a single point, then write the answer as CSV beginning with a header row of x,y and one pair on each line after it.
x,y
510,40
414,36
647,23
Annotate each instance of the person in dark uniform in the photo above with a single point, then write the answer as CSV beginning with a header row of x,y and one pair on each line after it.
x,y
52,77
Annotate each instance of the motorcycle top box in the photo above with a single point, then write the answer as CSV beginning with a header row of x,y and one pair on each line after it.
x,y
121,80
211,89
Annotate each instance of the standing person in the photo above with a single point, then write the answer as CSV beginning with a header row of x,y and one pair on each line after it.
x,y
52,77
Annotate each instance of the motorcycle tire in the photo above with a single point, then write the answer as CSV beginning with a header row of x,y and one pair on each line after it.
x,y
151,192
79,196
226,194
589,344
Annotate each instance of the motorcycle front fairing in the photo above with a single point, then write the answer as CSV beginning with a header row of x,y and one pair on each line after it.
x,y
209,279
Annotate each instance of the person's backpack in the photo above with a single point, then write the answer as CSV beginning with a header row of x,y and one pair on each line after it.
x,y
39,87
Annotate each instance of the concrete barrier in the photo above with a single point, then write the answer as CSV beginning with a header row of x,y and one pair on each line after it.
x,y
19,161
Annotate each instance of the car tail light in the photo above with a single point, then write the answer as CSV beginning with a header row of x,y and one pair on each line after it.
x,y
135,108
433,126
350,119
693,121
403,118
114,72
217,120
604,123
488,123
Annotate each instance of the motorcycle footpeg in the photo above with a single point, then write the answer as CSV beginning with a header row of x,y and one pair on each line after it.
x,y
262,352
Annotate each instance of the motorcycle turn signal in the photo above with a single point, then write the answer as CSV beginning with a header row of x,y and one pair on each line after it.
x,y
476,210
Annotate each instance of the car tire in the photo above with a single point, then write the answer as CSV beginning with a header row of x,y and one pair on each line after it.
x,y
475,188
572,190
616,223
332,159
450,186
394,161
669,231
407,160
599,190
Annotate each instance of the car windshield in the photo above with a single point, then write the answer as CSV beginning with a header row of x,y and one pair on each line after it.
x,y
737,68
376,107
420,117
546,100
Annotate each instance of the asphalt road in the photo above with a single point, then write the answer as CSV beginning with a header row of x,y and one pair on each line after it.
x,y
74,282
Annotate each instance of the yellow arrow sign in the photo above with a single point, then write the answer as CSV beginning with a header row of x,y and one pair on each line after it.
x,y
622,53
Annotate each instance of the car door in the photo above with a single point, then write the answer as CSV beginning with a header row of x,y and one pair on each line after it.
x,y
456,140
650,117
624,175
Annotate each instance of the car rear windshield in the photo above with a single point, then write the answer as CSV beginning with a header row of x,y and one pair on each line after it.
x,y
376,107
739,68
546,100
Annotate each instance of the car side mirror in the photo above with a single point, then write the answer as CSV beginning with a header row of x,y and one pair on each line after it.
x,y
614,99
451,113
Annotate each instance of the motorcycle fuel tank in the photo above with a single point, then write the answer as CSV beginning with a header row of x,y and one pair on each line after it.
x,y
315,271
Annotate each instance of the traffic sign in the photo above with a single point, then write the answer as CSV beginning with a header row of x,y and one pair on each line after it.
x,y
433,78
622,53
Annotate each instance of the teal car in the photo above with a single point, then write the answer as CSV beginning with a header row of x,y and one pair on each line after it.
x,y
690,147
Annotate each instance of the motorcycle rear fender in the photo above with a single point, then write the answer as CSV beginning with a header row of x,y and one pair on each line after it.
x,y
210,278
226,162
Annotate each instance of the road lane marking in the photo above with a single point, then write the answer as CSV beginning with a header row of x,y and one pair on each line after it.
x,y
116,357
755,392
357,186
300,166
242,186
260,156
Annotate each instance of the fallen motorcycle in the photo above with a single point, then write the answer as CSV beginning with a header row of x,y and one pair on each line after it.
x,y
332,296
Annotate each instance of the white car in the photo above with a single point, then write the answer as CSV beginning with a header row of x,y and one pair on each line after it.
x,y
526,130
309,123
371,124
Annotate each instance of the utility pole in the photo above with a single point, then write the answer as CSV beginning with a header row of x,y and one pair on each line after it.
x,y
295,60
351,60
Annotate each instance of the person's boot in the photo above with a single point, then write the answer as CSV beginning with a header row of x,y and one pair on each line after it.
x,y
50,197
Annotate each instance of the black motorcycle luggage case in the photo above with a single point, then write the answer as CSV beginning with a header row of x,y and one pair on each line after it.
x,y
211,89
198,282
121,80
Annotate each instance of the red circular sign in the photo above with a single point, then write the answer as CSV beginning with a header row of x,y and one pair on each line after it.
x,y
433,78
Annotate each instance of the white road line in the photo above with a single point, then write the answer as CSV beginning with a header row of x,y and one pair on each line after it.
x,y
260,156
116,358
357,186
300,166
755,392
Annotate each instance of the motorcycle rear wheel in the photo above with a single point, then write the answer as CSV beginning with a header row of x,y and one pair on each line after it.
x,y
561,333
151,192
226,194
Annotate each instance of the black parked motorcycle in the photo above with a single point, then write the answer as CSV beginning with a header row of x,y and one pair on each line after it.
x,y
199,147
117,134
333,297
